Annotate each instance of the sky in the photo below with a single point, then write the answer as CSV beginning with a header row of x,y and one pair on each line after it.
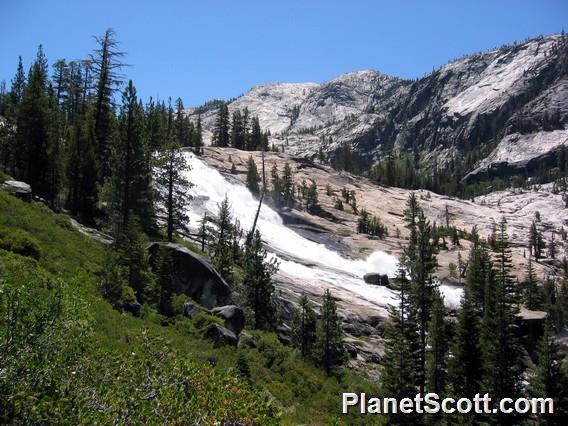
x,y
201,50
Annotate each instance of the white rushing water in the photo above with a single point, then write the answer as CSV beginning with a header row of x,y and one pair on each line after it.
x,y
298,256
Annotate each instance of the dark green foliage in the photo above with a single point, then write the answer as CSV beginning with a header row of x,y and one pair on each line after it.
x,y
257,283
329,350
399,368
437,347
221,131
370,224
536,242
288,186
223,259
500,347
310,196
253,178
165,282
465,365
304,328
105,63
130,190
82,168
531,291
113,280
171,167
549,377
20,242
420,259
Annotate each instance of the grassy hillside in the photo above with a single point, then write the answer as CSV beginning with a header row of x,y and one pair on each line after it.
x,y
67,357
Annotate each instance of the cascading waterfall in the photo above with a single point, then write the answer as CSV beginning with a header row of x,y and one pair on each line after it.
x,y
297,256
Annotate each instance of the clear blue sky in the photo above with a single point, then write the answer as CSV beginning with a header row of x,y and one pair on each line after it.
x,y
200,50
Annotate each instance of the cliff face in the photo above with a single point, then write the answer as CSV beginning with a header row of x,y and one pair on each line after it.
x,y
501,108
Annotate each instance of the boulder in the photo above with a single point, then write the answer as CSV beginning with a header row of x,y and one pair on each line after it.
x,y
233,315
220,336
189,309
284,334
377,279
19,189
247,341
193,275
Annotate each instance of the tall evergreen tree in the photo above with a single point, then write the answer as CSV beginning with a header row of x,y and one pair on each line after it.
x,y
253,178
82,169
171,169
330,352
549,378
223,254
257,282
500,346
221,130
130,185
288,185
304,323
436,358
401,347
32,155
531,290
105,62
421,266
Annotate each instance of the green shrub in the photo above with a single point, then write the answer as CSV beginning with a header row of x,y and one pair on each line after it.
x,y
20,242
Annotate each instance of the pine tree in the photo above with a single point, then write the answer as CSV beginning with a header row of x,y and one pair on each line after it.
x,y
536,242
465,367
437,347
421,263
170,175
130,247
401,347
288,185
330,352
549,379
223,254
81,169
500,347
311,197
258,285
253,178
277,188
221,130
237,131
531,290
105,63
255,141
304,328
130,185
34,129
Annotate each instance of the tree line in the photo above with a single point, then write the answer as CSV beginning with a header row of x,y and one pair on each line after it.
x,y
481,351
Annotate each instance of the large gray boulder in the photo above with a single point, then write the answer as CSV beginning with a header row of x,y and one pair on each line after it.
x,y
234,317
194,276
19,189
220,336
377,279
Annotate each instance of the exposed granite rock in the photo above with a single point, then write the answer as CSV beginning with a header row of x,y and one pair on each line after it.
x,y
233,315
194,276
20,189
220,336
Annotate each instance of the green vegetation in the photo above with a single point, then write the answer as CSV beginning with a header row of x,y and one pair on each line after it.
x,y
87,362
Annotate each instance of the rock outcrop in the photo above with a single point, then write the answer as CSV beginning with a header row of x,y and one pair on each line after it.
x,y
233,316
194,276
220,336
20,189
497,110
